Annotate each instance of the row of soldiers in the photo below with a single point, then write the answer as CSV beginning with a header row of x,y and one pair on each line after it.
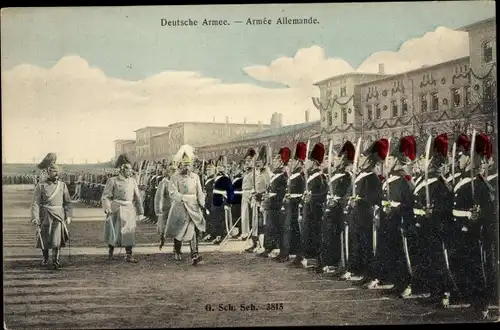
x,y
430,233
8,179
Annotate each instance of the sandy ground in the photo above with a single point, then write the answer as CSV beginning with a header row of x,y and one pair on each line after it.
x,y
230,289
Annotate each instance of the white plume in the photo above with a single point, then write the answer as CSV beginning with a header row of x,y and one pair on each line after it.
x,y
187,149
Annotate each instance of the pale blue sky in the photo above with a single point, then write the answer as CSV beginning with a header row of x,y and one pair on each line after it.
x,y
113,38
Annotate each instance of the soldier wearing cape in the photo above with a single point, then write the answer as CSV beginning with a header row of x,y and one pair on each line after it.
x,y
51,211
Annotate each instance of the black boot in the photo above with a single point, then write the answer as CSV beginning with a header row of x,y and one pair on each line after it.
x,y
111,249
255,242
128,256
45,261
55,258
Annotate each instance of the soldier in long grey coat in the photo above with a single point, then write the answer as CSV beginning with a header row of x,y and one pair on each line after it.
x,y
185,220
51,212
122,204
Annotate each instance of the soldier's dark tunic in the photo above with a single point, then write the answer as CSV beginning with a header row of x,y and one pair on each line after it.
x,y
369,188
222,196
209,193
476,236
490,239
291,233
274,216
390,259
310,228
236,203
334,217
429,272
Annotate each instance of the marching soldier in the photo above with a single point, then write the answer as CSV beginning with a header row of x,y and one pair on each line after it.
x,y
262,179
433,205
51,212
475,211
332,229
122,204
273,203
222,198
364,212
238,191
248,187
314,201
163,202
291,243
186,221
392,258
209,193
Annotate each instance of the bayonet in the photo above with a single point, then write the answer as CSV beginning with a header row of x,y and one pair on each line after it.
x,y
426,172
453,155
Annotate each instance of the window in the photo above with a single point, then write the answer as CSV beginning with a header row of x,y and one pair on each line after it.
x,y
488,89
343,91
487,52
404,107
378,111
344,116
467,95
394,107
330,118
423,103
369,112
455,94
434,101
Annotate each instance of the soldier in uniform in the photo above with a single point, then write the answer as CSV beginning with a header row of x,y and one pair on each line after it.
x,y
475,211
51,212
163,202
314,200
122,204
222,198
364,211
333,220
237,187
209,192
262,179
273,203
248,187
185,221
392,261
432,208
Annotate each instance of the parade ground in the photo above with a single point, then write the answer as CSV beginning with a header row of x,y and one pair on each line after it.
x,y
229,289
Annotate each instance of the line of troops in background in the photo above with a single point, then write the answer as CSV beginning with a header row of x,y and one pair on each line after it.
x,y
425,226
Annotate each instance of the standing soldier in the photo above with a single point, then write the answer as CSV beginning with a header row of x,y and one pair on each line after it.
x,y
51,211
433,209
475,211
163,202
237,187
222,198
186,221
248,186
209,193
314,201
364,211
273,203
262,179
332,243
392,259
122,204
292,202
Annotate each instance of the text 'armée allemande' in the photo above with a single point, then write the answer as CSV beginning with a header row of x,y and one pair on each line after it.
x,y
250,21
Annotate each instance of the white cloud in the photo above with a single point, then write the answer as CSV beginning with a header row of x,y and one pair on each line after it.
x,y
77,111
310,65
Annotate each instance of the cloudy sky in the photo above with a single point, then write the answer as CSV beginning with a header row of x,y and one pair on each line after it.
x,y
75,79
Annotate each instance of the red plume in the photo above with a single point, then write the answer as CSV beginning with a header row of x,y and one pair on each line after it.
x,y
301,151
441,144
483,145
381,147
285,154
463,142
408,146
349,149
318,152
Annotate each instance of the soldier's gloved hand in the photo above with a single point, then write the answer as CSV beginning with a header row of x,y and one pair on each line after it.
x,y
330,201
160,215
465,229
36,222
68,220
227,207
107,211
475,213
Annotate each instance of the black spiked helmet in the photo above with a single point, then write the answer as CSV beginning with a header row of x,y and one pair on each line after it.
x,y
122,160
263,155
48,161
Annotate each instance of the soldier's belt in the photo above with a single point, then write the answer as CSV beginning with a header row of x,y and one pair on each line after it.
x,y
391,204
419,212
296,195
271,194
220,192
238,192
462,214
334,197
51,207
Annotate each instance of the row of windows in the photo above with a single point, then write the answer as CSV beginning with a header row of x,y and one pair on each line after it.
x,y
343,92
331,115
487,51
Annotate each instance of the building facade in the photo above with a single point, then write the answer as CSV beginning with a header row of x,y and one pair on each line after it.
x,y
339,105
124,147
